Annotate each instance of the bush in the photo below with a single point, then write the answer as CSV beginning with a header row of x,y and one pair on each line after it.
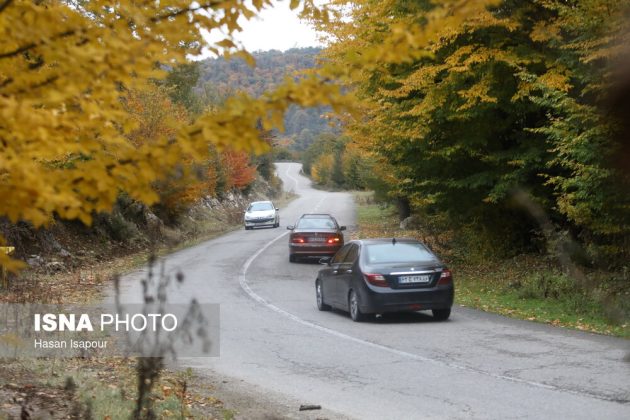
x,y
548,285
118,228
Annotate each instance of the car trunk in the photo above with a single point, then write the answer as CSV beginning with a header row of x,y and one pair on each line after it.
x,y
316,236
409,276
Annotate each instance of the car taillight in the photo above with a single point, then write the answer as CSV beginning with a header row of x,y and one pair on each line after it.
x,y
297,239
376,280
446,277
334,240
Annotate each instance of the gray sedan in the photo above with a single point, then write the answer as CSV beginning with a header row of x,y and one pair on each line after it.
x,y
376,276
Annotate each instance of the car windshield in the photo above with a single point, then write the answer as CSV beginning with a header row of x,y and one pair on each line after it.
x,y
260,207
396,253
307,223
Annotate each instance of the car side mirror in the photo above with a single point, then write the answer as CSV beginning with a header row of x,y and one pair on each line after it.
x,y
325,260
342,228
290,227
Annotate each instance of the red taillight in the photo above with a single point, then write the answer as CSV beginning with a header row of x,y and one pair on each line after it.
x,y
446,277
297,240
333,240
376,280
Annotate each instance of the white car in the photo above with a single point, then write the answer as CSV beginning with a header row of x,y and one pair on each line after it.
x,y
261,213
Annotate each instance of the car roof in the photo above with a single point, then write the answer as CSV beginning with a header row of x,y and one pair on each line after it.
x,y
316,216
373,241
259,202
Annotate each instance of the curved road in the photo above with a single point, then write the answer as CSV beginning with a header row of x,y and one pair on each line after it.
x,y
476,365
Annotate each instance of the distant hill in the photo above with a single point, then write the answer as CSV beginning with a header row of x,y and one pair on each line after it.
x,y
219,78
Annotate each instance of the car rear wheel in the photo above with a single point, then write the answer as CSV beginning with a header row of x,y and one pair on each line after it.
x,y
320,297
355,310
248,227
441,314
292,258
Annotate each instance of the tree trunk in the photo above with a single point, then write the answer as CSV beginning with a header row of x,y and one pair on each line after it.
x,y
404,208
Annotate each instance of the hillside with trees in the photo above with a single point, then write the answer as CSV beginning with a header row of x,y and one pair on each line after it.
x,y
220,78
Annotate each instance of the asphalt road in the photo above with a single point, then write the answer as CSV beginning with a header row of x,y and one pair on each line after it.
x,y
476,365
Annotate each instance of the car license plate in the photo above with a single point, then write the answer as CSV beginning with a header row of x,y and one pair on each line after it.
x,y
414,279
316,239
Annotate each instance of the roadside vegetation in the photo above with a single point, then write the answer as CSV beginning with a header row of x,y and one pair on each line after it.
x,y
101,388
71,262
106,387
528,286
501,140
489,125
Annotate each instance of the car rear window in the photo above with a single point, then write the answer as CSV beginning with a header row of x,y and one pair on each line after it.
x,y
352,254
396,253
340,254
260,207
316,224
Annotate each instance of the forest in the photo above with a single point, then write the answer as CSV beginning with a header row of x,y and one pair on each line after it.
x,y
496,118
507,110
219,78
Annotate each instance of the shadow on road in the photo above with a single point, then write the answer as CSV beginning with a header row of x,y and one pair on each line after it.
x,y
309,261
395,318
405,318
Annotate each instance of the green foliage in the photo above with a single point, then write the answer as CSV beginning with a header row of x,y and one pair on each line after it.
x,y
121,229
507,100
324,144
546,285
264,165
332,161
283,153
181,82
526,286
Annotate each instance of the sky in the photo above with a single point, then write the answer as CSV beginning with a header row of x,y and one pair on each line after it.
x,y
275,28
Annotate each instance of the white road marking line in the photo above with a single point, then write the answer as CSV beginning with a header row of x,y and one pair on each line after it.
x,y
316,208
242,279
291,177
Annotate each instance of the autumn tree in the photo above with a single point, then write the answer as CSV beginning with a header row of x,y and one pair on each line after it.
x,y
156,115
64,67
467,108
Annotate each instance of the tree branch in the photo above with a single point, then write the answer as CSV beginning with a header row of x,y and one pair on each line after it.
x,y
48,81
5,4
184,11
7,82
18,50
27,47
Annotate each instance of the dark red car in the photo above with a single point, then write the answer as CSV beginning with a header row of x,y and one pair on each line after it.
x,y
315,235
